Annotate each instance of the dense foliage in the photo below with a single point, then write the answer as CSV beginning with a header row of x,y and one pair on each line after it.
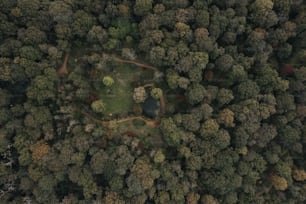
x,y
228,75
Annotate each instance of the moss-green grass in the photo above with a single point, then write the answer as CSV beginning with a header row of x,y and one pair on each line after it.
x,y
119,97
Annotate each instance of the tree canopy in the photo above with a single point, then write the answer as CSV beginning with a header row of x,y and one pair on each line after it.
x,y
169,101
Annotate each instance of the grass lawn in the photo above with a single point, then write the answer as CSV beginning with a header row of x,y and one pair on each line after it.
x,y
119,98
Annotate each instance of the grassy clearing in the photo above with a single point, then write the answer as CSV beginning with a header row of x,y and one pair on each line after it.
x,y
119,98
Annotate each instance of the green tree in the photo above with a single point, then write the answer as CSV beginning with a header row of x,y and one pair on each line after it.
x,y
196,93
84,178
185,15
128,54
159,8
209,128
289,135
247,89
32,35
265,134
172,78
185,64
47,183
224,96
28,9
80,140
262,13
159,157
226,117
120,28
285,102
229,37
113,198
283,9
143,171
209,199
284,52
240,137
215,20
194,163
195,75
204,111
98,162
225,161
140,94
156,93
142,7
202,18
43,196
202,40
190,122
237,74
224,63
149,22
7,5
82,23
61,12
283,168
177,194
97,35
205,149
157,55
35,172
171,56
192,198
124,159
10,47
41,89
30,53
116,183
221,139
162,197
108,81
273,154
267,105
230,198
269,80
98,106
300,73
183,30
172,134
26,183
4,141
151,38
185,151
4,116
63,31
175,4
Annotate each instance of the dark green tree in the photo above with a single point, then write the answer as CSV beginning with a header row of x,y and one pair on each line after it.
x,y
82,23
197,93
61,12
142,7
247,89
172,134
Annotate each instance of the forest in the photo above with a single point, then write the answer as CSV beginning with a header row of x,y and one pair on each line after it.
x,y
152,101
